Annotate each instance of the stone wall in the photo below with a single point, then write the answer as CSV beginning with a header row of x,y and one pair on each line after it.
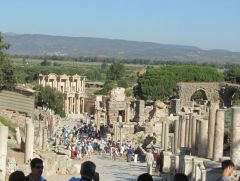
x,y
17,101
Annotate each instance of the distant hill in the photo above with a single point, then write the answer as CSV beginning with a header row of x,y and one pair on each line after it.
x,y
35,44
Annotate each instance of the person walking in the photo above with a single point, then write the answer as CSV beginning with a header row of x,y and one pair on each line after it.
x,y
149,160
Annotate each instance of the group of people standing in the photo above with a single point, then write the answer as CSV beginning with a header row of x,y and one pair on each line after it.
x,y
82,141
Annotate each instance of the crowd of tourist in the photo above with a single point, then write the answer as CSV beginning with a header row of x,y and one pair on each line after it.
x,y
82,141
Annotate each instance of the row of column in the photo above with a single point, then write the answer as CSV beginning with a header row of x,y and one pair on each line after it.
x,y
29,141
74,105
206,137
192,132
183,129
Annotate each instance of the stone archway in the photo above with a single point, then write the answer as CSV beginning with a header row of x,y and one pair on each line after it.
x,y
186,90
227,93
199,94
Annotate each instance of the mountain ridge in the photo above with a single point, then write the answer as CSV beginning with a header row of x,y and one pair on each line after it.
x,y
38,45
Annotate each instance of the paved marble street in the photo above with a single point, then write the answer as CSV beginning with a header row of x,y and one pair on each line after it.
x,y
112,170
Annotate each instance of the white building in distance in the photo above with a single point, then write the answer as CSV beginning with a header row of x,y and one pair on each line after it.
x,y
73,88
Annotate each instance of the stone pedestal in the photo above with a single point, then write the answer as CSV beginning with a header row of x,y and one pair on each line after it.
x,y
196,175
18,136
211,128
235,144
29,142
166,161
188,165
3,151
219,135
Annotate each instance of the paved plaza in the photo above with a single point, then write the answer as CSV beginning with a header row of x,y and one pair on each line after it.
x,y
110,170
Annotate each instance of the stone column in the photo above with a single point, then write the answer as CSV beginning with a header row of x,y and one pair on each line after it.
x,y
73,105
183,130
80,102
179,131
219,135
40,135
67,104
127,116
193,137
72,111
202,144
115,133
59,84
76,104
211,128
84,84
172,143
190,131
121,139
70,105
166,139
187,131
82,105
163,135
176,131
78,84
79,105
98,121
3,151
45,139
197,136
29,137
18,136
235,138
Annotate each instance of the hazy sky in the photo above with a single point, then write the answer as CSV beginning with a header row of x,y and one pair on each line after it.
x,y
208,24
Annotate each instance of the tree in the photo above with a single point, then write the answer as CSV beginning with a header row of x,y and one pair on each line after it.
x,y
109,85
7,71
160,82
122,83
45,62
115,71
104,67
232,73
51,99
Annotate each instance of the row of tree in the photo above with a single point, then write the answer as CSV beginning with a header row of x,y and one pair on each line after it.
x,y
140,61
